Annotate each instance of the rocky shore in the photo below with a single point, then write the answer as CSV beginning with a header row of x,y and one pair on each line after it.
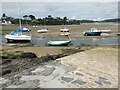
x,y
81,67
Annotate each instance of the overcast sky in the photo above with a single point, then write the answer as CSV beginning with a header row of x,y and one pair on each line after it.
x,y
73,10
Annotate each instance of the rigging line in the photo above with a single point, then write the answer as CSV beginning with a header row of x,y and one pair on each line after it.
x,y
24,14
19,14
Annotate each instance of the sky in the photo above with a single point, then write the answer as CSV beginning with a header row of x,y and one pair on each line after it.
x,y
73,10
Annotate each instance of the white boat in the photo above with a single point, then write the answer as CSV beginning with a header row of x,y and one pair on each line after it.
x,y
64,31
106,31
17,35
42,31
45,30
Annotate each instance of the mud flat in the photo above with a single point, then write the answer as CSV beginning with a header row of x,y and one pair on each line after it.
x,y
78,67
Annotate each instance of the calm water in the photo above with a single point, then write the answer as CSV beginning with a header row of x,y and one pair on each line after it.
x,y
41,40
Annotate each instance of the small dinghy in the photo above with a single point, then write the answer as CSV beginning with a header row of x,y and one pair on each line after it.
x,y
42,31
59,43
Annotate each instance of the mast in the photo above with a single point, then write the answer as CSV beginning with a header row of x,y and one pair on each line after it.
x,y
19,15
44,24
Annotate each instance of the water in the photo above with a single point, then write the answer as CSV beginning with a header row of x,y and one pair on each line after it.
x,y
41,40
95,41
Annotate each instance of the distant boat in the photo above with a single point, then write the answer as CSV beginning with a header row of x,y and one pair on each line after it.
x,y
118,34
59,43
42,31
17,35
92,32
4,22
64,31
45,30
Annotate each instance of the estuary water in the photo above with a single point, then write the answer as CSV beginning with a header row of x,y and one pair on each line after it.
x,y
41,40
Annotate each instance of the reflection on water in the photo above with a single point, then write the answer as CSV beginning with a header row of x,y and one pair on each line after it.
x,y
41,40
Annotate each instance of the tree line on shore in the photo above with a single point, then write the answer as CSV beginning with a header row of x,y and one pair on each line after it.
x,y
49,20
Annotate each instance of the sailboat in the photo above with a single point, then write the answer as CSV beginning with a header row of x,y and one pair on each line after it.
x,y
17,35
64,31
60,43
45,30
92,32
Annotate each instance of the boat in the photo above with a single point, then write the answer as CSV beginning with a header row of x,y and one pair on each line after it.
x,y
59,43
64,31
118,34
45,30
42,31
17,35
105,31
92,32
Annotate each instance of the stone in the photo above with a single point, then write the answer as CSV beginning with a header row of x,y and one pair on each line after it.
x,y
38,70
98,82
6,61
80,74
107,82
6,71
48,71
103,78
80,82
67,79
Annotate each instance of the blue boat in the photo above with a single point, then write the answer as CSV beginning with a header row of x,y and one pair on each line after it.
x,y
92,32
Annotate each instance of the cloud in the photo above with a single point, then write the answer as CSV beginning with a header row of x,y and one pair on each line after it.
x,y
60,0
78,10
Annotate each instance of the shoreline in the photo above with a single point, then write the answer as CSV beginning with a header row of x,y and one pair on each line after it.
x,y
27,65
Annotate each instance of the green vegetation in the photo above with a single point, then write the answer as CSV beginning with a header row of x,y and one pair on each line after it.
x,y
49,20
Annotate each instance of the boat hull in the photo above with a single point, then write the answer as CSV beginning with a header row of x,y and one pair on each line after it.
x,y
59,43
19,38
92,33
42,31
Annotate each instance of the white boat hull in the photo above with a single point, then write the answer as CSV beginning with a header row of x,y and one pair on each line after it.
x,y
18,37
105,31
65,34
42,31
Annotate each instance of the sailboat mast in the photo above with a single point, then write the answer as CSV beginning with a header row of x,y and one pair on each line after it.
x,y
19,15
44,24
